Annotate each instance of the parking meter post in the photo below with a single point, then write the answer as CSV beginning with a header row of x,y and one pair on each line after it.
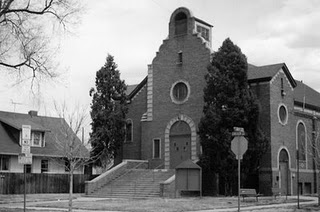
x,y
24,195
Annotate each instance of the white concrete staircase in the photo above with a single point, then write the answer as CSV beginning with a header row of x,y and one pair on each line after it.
x,y
135,183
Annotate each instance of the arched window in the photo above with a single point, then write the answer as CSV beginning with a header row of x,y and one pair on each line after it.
x,y
283,156
181,23
301,139
129,131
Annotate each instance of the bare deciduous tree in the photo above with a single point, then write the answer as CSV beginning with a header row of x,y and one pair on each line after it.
x,y
27,28
74,153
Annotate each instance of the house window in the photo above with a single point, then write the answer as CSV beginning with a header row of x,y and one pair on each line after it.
x,y
156,148
301,139
129,131
4,163
36,139
44,166
28,168
283,114
204,32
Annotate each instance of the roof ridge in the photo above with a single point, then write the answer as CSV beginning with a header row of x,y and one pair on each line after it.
x,y
26,114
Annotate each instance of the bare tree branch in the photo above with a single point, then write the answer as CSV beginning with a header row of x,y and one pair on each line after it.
x,y
74,154
27,31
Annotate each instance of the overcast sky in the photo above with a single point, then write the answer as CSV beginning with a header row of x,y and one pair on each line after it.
x,y
268,32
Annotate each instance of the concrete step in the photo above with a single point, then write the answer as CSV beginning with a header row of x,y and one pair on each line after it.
x,y
135,183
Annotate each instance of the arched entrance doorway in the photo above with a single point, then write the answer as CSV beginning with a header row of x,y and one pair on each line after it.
x,y
180,143
284,172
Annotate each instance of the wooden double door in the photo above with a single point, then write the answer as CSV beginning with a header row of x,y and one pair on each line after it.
x,y
180,143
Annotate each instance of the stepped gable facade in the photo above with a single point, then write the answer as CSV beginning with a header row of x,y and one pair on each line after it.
x,y
166,107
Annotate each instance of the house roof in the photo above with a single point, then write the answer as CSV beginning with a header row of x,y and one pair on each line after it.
x,y
306,96
303,94
15,119
130,88
136,88
188,164
55,130
267,72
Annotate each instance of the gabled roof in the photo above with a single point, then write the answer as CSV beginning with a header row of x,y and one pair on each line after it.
x,y
15,119
130,88
55,130
303,94
267,72
136,88
188,164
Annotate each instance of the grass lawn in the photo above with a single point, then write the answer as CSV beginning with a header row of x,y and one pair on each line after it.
x,y
59,201
163,205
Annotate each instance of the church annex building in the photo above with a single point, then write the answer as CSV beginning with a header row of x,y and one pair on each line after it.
x,y
166,107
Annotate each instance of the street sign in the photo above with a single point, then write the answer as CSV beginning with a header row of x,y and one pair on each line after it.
x,y
239,146
25,158
238,129
238,133
25,150
26,132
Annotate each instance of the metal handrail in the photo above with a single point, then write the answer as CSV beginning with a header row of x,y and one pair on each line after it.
x,y
136,181
134,184
122,175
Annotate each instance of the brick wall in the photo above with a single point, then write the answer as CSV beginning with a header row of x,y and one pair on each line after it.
x,y
137,107
167,71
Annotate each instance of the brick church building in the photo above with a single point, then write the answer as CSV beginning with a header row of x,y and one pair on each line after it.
x,y
166,107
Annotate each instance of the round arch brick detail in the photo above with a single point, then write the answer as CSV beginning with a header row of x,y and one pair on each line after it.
x,y
192,126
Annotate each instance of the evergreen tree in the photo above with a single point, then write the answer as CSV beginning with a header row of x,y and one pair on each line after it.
x,y
108,112
228,103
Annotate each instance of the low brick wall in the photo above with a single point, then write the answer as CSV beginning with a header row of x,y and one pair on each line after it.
x,y
167,188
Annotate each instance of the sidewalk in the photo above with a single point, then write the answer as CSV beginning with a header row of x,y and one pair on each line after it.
x,y
307,201
48,202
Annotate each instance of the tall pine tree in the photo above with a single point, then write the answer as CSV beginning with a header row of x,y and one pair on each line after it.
x,y
229,103
108,112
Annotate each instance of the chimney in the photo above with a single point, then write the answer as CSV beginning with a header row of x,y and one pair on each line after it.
x,y
33,113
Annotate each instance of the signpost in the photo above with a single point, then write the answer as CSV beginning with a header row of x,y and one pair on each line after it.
x,y
239,146
25,157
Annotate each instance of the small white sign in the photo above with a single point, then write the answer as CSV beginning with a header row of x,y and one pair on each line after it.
x,y
26,132
25,158
238,129
25,150
238,133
